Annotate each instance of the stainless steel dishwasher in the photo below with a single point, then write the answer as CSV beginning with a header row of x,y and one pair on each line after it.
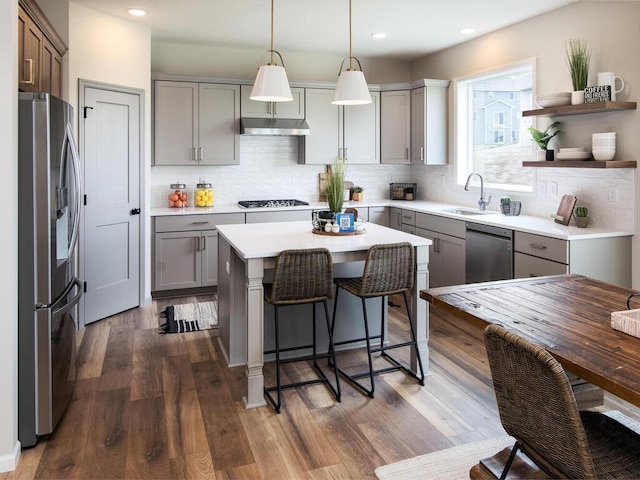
x,y
488,253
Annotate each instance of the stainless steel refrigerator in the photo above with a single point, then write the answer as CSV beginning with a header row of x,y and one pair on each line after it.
x,y
48,288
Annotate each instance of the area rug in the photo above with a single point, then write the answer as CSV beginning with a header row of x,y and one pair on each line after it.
x,y
454,463
451,464
189,317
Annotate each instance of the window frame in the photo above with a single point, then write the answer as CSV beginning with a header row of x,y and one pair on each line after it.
x,y
463,122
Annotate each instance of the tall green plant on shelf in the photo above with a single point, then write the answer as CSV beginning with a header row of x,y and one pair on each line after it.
x,y
578,59
334,187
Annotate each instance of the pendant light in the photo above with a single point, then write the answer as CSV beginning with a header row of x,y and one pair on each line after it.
x,y
351,88
271,83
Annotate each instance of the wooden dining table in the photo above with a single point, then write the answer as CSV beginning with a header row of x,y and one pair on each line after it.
x,y
569,315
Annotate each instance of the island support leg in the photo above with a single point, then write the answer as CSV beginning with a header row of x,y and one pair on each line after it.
x,y
255,333
420,310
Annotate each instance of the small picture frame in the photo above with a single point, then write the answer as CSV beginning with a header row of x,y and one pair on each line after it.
x,y
345,222
600,93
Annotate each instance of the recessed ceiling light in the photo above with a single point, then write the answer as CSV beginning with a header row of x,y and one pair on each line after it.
x,y
467,31
379,35
136,12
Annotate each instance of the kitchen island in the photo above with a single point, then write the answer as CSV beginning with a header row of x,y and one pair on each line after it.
x,y
246,255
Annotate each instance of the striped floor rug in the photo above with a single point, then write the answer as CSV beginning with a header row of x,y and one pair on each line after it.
x,y
189,317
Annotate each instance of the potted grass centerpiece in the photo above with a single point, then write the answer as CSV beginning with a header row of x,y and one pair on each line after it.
x,y
578,58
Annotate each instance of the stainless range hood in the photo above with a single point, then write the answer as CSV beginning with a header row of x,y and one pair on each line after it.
x,y
273,126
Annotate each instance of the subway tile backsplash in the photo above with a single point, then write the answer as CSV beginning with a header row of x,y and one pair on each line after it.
x,y
269,169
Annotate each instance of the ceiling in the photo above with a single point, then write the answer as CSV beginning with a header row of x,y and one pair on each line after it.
x,y
414,28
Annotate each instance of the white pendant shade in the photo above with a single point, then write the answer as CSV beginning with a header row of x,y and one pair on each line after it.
x,y
271,85
351,89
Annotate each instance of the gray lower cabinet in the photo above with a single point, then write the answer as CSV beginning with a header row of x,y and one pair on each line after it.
x,y
447,252
605,259
378,215
186,250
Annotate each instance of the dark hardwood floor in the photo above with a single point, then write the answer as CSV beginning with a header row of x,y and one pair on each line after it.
x,y
166,406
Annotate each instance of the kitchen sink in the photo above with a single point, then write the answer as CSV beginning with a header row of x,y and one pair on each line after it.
x,y
464,211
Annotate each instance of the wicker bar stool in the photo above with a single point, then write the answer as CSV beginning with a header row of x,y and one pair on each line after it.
x,y
537,407
301,277
388,270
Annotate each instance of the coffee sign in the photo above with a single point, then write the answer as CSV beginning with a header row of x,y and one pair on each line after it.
x,y
600,93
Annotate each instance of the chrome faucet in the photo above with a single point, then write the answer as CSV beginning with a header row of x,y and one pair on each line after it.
x,y
482,204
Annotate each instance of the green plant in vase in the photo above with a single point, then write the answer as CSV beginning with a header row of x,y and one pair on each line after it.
x,y
334,186
582,216
543,137
578,59
357,193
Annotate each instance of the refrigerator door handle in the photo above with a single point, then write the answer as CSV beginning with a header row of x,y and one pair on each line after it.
x,y
72,303
54,305
68,138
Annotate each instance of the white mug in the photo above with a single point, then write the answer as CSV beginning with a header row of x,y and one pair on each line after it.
x,y
609,78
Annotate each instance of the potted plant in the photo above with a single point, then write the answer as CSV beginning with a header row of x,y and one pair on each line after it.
x,y
357,195
581,214
543,137
578,58
334,187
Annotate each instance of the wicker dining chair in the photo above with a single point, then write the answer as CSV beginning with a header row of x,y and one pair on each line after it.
x,y
388,270
301,277
537,407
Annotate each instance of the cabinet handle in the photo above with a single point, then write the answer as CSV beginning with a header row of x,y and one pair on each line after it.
x,y
340,153
407,154
200,154
538,246
204,243
31,80
197,239
200,223
422,154
194,154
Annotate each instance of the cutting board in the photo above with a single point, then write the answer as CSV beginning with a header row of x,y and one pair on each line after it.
x,y
567,203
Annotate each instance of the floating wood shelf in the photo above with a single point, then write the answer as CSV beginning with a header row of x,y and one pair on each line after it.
x,y
564,110
582,164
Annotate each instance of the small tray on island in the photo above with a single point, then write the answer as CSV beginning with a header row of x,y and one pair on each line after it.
x,y
339,234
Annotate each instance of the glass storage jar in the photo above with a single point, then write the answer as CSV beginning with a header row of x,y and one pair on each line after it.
x,y
177,197
203,196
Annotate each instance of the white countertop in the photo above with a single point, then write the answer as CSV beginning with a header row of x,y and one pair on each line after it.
x,y
522,223
278,236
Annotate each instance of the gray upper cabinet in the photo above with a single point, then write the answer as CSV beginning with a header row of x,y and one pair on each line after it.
x,y
352,132
429,123
196,123
252,109
395,126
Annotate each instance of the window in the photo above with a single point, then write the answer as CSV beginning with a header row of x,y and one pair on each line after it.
x,y
482,103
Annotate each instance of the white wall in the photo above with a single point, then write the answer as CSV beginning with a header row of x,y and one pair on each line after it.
x,y
9,446
106,49
611,29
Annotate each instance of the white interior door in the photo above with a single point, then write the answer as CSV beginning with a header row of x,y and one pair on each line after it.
x,y
111,153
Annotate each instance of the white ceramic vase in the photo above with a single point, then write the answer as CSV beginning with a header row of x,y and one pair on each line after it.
x,y
577,97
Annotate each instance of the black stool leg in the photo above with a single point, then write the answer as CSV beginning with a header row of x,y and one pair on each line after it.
x,y
413,338
366,334
332,353
276,405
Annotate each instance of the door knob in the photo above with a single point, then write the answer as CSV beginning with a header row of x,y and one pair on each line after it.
x,y
135,211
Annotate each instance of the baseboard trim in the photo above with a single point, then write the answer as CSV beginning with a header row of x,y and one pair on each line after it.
x,y
8,463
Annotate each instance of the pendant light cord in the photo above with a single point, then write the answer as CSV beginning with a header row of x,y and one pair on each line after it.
x,y
350,37
272,32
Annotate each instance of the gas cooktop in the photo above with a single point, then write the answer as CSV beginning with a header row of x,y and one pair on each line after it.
x,y
271,203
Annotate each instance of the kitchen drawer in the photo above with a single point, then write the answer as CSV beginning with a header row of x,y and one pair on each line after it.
x,y
448,226
544,247
408,217
525,266
183,223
